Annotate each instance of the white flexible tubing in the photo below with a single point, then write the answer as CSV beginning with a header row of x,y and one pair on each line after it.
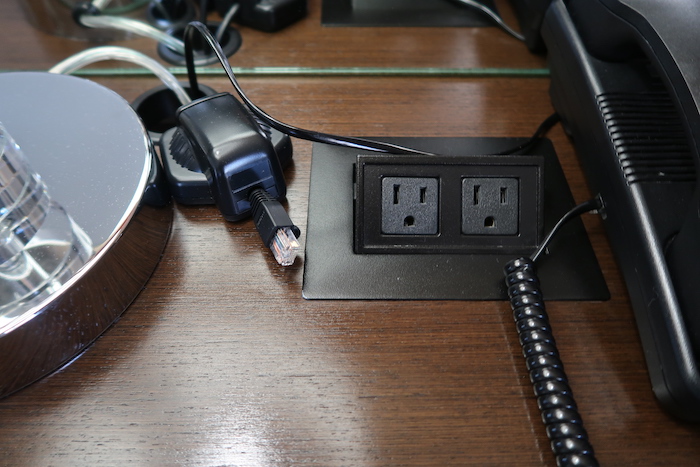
x,y
134,26
96,54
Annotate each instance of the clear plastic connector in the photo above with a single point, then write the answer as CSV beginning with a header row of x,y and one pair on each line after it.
x,y
285,246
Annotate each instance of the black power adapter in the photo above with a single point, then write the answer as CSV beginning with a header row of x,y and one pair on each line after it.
x,y
265,15
188,184
220,153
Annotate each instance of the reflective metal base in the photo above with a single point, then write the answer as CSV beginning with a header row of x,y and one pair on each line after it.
x,y
92,151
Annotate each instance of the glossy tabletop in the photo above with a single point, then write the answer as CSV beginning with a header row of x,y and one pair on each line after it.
x,y
220,361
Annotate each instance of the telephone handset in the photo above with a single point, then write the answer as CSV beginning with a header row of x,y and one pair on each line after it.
x,y
626,82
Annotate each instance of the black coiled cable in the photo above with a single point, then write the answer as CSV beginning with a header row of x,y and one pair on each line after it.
x,y
563,423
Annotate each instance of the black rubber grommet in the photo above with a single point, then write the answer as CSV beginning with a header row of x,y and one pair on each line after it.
x,y
157,108
169,14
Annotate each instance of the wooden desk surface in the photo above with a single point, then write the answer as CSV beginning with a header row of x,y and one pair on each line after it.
x,y
219,361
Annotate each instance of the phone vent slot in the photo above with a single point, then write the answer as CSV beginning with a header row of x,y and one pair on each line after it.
x,y
649,137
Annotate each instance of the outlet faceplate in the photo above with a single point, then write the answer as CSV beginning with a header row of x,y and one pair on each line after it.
x,y
448,204
333,269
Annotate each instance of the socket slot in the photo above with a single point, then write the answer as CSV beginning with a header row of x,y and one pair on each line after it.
x,y
447,204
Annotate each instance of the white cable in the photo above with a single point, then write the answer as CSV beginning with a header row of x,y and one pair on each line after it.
x,y
96,54
133,26
491,14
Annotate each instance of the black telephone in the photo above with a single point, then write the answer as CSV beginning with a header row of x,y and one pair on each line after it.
x,y
626,82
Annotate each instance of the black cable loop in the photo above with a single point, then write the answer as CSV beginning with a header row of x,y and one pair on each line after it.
x,y
309,135
563,423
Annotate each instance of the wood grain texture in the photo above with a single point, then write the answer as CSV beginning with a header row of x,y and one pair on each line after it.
x,y
219,361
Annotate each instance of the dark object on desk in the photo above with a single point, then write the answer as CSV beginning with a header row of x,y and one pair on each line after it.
x,y
105,174
332,270
403,13
188,184
217,135
625,81
265,15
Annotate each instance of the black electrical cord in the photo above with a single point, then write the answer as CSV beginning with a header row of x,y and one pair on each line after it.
x,y
563,423
357,143
588,206
495,17
203,11
542,130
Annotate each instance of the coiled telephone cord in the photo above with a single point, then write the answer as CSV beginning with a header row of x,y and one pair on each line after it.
x,y
563,423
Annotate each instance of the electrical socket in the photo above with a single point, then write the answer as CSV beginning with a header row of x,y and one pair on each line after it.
x,y
490,206
447,204
409,206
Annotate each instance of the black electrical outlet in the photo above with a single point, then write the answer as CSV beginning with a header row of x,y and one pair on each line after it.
x,y
448,204
490,206
409,206
334,268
